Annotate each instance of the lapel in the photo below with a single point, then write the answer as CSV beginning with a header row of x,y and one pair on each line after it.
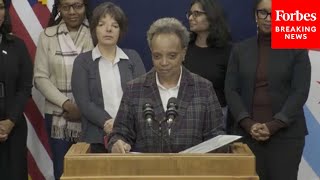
x,y
98,81
186,92
185,95
250,64
125,70
152,95
279,58
5,61
252,57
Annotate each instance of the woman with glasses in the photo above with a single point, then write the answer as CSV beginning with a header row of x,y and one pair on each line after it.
x,y
15,90
209,47
66,36
266,90
100,76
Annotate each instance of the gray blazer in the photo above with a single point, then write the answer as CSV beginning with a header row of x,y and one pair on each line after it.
x,y
87,91
289,74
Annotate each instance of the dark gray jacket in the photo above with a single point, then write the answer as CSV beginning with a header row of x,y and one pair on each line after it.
x,y
87,91
289,74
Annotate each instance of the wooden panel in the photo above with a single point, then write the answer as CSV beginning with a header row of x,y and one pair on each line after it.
x,y
79,164
162,178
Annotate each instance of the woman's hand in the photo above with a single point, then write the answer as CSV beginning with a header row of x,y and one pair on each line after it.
x,y
72,112
108,125
5,128
260,132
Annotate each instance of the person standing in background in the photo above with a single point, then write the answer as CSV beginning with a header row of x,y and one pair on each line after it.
x,y
210,45
266,90
66,36
15,90
100,76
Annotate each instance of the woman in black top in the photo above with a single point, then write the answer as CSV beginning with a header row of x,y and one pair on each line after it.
x,y
15,89
266,90
209,48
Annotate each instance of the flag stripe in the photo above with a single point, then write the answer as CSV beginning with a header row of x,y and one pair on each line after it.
x,y
50,4
39,153
306,172
21,31
32,113
42,13
33,169
28,18
33,2
312,148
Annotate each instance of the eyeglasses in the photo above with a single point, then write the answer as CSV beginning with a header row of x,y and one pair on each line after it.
x,y
75,6
195,14
263,14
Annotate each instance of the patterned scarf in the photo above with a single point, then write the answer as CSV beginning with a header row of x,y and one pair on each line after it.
x,y
61,128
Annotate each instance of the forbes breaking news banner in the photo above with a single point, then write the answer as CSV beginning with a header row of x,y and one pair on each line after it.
x,y
295,24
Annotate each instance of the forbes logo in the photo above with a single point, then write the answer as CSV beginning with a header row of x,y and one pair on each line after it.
x,y
296,16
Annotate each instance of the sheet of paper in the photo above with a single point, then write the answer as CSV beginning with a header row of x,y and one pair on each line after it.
x,y
212,144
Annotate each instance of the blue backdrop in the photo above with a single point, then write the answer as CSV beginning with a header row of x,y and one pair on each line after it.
x,y
141,13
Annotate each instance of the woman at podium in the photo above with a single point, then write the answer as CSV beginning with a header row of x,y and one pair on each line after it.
x,y
169,109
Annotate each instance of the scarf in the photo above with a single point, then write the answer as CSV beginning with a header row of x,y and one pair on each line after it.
x,y
61,128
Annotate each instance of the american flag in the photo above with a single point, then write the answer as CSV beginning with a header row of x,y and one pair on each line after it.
x,y
28,18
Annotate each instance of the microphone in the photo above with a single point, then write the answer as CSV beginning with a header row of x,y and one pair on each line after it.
x,y
148,113
171,112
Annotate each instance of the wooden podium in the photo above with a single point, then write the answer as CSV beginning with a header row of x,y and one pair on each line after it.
x,y
79,164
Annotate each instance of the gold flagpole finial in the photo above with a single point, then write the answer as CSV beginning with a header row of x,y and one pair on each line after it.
x,y
43,2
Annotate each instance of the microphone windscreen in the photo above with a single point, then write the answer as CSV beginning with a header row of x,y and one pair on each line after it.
x,y
172,102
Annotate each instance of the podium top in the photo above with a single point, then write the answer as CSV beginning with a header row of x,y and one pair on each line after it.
x,y
84,149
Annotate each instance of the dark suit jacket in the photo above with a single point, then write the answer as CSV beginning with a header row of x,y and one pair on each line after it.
x,y
288,73
16,64
199,115
16,72
87,91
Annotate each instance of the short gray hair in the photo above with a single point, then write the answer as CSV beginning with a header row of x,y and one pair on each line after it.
x,y
169,26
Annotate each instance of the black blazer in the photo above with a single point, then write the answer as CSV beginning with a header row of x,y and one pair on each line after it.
x,y
288,73
16,72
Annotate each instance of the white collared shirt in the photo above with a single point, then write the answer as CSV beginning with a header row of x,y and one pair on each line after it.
x,y
167,93
110,80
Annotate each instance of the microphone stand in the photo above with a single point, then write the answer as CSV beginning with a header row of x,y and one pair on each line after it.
x,y
160,133
161,136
